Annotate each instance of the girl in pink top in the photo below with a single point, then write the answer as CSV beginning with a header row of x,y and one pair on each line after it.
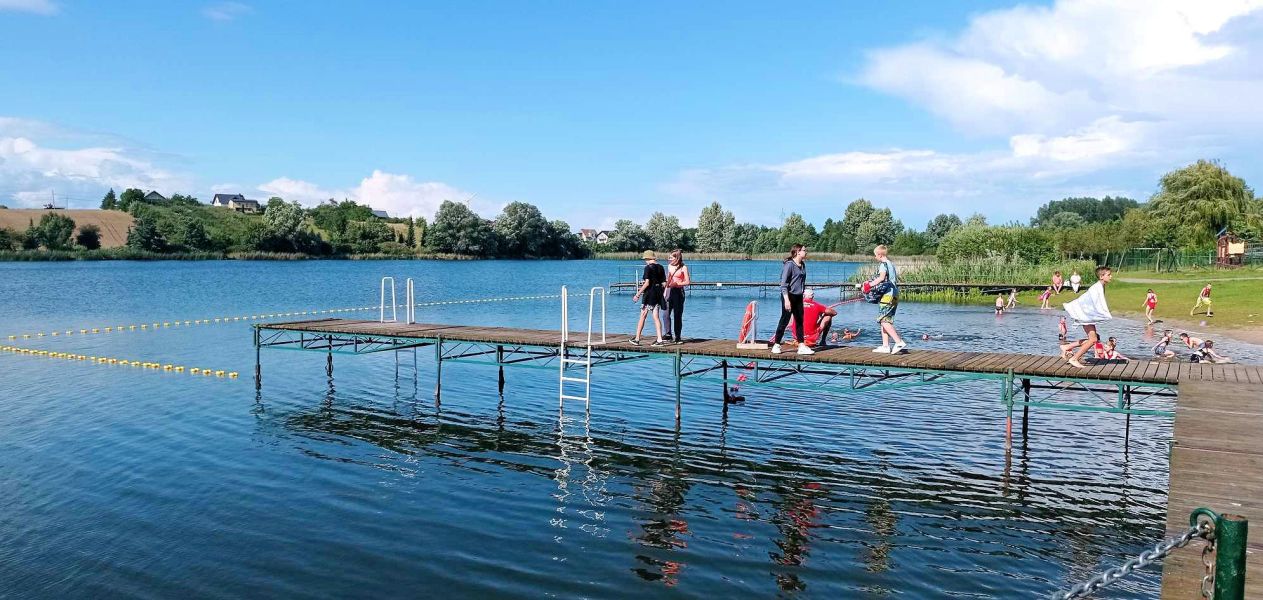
x,y
677,279
1151,302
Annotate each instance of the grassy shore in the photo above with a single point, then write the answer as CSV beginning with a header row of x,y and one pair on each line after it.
x,y
1237,295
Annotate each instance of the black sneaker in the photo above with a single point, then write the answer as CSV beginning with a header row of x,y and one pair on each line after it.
x,y
634,341
678,341
658,343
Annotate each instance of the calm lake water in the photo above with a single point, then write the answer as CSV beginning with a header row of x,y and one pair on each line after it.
x,y
116,481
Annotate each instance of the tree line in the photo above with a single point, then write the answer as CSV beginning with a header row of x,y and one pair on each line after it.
x,y
1192,205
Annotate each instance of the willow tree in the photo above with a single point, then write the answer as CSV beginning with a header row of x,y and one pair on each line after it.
x,y
1204,198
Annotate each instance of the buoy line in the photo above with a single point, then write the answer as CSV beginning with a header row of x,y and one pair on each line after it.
x,y
157,325
104,360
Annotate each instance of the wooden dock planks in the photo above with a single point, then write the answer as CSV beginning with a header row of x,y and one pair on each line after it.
x,y
990,363
1216,462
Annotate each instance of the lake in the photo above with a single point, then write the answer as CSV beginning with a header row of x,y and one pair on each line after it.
x,y
124,482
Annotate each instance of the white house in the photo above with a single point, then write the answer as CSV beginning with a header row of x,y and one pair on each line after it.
x,y
594,235
236,202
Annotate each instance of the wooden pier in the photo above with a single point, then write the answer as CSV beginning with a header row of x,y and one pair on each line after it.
x,y
1217,451
986,288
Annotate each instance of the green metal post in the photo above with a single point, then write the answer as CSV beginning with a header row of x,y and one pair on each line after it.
x,y
1026,406
258,369
1230,540
678,379
438,371
1007,396
500,363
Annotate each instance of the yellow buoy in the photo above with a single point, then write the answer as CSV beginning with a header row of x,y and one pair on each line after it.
x,y
232,375
166,367
179,369
195,370
219,373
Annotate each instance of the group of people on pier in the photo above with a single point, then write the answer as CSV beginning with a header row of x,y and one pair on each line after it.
x,y
662,289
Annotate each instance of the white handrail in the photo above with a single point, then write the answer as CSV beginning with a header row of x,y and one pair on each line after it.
x,y
565,316
394,315
591,305
410,296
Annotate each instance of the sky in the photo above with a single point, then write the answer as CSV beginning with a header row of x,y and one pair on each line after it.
x,y
604,110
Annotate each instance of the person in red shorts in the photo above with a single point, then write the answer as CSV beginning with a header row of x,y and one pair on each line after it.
x,y
817,318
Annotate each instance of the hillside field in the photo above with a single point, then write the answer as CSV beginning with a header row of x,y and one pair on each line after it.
x,y
113,223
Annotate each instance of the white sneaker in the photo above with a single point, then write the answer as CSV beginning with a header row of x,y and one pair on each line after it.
x,y
805,349
882,349
898,347
776,348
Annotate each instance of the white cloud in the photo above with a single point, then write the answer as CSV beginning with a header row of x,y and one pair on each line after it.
x,y
1059,100
398,195
36,157
226,11
39,7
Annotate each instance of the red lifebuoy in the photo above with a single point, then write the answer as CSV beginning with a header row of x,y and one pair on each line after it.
x,y
746,322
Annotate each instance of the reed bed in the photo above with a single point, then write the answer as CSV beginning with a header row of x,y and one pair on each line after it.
x,y
988,271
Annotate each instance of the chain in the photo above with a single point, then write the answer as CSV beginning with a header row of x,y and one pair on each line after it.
x,y
1146,558
1208,559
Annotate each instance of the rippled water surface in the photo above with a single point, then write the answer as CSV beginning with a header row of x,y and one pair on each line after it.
x,y
116,481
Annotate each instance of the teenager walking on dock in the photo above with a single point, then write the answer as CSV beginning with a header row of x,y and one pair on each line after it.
x,y
651,290
1088,310
793,284
677,279
887,285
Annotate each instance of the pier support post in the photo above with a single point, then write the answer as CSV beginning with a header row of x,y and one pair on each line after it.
x,y
1026,398
678,380
1007,396
438,371
329,359
1127,427
726,398
500,364
258,369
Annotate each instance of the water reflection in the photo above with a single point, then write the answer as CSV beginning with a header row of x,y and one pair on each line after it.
x,y
778,505
575,452
662,492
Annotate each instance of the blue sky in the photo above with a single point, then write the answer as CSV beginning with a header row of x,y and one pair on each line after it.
x,y
599,111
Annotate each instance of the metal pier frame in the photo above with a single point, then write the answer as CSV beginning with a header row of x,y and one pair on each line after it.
x,y
1016,390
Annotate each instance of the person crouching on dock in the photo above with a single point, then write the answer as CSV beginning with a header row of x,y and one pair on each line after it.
x,y
818,319
1088,310
793,284
651,289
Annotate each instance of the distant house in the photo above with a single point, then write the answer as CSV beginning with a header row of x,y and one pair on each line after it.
x,y
381,214
594,235
236,202
153,197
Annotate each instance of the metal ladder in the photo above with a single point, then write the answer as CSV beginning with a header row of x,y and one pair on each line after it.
x,y
586,361
410,297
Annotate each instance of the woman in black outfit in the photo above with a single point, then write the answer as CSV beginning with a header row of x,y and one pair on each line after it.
x,y
793,284
651,289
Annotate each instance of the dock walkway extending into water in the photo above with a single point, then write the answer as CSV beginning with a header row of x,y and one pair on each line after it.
x,y
1217,450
